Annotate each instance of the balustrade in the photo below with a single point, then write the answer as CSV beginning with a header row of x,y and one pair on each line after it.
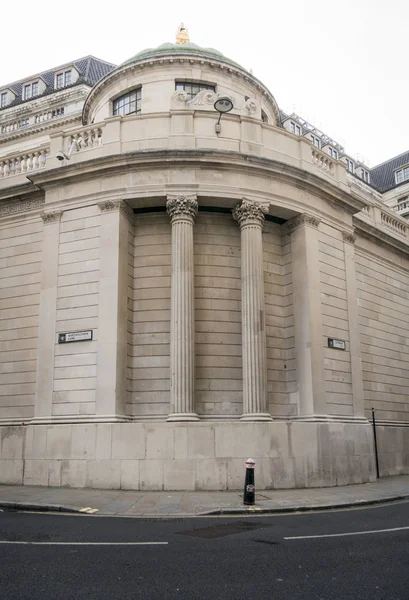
x,y
393,224
24,163
87,138
322,160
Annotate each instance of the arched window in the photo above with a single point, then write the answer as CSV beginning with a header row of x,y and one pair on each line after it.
x,y
128,104
264,116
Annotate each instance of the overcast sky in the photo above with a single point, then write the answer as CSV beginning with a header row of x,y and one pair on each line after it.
x,y
341,65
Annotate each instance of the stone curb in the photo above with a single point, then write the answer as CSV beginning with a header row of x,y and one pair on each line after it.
x,y
256,510
40,507
240,510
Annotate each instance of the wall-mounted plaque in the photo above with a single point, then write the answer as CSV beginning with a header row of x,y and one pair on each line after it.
x,y
336,344
74,336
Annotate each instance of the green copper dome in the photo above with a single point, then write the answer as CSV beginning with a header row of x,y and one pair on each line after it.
x,y
181,49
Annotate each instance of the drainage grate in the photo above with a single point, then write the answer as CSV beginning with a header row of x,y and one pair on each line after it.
x,y
217,531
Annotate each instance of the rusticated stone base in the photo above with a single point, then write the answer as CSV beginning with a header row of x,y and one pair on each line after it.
x,y
198,456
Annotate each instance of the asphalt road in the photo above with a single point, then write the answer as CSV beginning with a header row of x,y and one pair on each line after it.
x,y
83,557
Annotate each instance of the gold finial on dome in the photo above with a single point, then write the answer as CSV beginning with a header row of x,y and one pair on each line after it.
x,y
182,36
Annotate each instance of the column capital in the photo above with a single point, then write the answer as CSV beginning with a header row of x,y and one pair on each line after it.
x,y
249,213
182,207
303,219
348,237
51,217
108,206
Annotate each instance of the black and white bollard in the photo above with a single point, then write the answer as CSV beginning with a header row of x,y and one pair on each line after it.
x,y
249,496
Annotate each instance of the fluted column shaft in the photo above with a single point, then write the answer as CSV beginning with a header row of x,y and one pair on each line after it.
x,y
250,217
182,211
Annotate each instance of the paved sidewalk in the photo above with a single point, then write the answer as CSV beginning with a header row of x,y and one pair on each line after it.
x,y
182,504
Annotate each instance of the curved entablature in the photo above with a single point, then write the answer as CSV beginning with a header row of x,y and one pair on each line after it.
x,y
159,68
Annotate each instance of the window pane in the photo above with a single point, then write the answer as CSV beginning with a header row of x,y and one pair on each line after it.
x,y
128,104
60,81
406,173
68,78
399,176
35,89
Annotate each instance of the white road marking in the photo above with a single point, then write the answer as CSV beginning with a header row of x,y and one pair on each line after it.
x,y
85,543
311,537
89,510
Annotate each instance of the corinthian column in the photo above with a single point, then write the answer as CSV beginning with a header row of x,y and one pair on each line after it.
x,y
182,211
250,217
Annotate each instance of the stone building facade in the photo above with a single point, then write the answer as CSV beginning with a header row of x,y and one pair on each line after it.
x,y
228,294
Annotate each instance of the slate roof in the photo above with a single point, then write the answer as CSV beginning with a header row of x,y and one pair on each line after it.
x,y
383,175
91,70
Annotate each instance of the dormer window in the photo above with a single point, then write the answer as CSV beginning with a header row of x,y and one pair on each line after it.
x,y
402,175
294,128
192,89
365,175
350,165
315,141
30,90
3,99
333,153
63,79
128,104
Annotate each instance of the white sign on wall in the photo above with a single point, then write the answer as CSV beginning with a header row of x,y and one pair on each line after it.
x,y
75,336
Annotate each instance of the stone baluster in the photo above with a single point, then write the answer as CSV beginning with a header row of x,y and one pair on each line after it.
x,y
182,211
250,217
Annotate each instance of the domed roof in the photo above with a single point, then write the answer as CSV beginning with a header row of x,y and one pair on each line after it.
x,y
187,48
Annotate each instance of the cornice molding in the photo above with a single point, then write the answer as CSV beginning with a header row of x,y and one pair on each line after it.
x,y
378,235
223,160
37,128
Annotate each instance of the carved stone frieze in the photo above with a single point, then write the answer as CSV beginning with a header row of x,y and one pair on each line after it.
x,y
182,206
22,206
303,219
249,212
348,237
51,217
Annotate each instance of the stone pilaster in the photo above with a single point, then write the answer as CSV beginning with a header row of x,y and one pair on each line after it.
x,y
308,317
113,311
47,317
353,325
182,211
250,217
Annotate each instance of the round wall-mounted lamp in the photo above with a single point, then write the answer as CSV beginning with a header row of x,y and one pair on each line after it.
x,y
222,105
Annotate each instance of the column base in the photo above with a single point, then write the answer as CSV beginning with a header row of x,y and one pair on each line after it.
x,y
256,417
183,417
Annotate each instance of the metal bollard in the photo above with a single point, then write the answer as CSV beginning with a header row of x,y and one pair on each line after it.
x,y
249,496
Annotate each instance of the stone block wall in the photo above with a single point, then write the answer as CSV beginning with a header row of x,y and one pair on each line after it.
x,y
149,347
338,379
281,369
187,456
218,315
75,367
383,293
20,283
